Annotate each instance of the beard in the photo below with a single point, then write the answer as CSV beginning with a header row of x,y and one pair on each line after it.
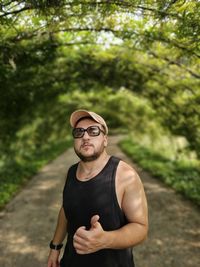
x,y
89,158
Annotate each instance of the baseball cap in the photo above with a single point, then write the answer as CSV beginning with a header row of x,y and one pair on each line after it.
x,y
81,113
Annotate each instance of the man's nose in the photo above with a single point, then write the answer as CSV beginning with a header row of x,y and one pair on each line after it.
x,y
85,135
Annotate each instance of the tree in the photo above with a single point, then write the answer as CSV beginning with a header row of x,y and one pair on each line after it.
x,y
149,47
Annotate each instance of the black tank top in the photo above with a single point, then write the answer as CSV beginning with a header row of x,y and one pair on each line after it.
x,y
82,200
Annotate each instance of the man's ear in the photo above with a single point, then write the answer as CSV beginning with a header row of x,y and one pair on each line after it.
x,y
105,140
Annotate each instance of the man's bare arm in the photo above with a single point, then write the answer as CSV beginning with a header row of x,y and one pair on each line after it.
x,y
134,205
61,228
59,235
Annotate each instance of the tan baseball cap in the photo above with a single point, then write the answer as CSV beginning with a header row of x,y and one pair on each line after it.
x,y
81,113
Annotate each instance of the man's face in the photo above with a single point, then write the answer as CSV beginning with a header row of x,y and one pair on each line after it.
x,y
89,148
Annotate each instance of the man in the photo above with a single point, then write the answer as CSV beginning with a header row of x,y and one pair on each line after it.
x,y
104,211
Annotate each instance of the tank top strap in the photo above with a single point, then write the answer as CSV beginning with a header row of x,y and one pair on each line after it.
x,y
71,174
115,160
118,214
113,165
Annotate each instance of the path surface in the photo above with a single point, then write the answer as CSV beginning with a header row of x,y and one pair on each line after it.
x,y
28,222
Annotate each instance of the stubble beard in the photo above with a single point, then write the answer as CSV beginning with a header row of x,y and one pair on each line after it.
x,y
90,158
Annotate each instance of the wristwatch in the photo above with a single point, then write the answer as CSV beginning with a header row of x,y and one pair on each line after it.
x,y
56,247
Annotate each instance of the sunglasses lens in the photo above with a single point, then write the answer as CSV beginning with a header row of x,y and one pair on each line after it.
x,y
93,130
78,132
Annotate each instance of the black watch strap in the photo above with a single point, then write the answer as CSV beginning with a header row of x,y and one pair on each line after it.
x,y
56,247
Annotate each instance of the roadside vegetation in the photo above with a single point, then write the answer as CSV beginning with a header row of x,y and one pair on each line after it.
x,y
180,174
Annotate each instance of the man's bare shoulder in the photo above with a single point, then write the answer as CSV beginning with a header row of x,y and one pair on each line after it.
x,y
127,174
133,202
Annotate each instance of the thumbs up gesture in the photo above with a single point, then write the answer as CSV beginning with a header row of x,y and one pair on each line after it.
x,y
95,222
88,241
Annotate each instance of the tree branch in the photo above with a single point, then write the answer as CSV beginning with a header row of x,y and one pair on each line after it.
x,y
14,12
121,4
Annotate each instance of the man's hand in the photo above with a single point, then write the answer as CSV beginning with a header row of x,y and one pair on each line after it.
x,y
53,258
88,241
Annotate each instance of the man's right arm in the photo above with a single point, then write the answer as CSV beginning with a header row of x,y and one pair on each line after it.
x,y
59,235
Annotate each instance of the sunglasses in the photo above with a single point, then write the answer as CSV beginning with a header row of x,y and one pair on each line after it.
x,y
92,131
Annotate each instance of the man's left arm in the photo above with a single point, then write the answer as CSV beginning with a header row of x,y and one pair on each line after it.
x,y
134,205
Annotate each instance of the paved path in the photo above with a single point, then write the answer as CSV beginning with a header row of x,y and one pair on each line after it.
x,y
28,222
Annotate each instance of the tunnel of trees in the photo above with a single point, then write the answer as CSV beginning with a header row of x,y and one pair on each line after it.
x,y
136,62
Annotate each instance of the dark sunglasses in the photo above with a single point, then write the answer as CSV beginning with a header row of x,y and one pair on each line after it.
x,y
92,131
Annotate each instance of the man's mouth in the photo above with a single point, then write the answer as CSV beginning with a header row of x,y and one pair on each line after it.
x,y
86,145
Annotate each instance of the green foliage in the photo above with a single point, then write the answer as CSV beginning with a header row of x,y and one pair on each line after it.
x,y
177,105
133,112
43,137
184,177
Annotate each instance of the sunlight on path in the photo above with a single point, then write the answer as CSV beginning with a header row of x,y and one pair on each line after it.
x,y
28,223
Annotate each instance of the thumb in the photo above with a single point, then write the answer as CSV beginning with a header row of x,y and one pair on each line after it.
x,y
80,230
94,220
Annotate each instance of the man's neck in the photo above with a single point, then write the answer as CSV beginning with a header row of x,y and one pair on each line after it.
x,y
86,170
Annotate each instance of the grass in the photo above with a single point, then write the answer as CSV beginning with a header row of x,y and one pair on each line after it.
x,y
181,175
15,172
